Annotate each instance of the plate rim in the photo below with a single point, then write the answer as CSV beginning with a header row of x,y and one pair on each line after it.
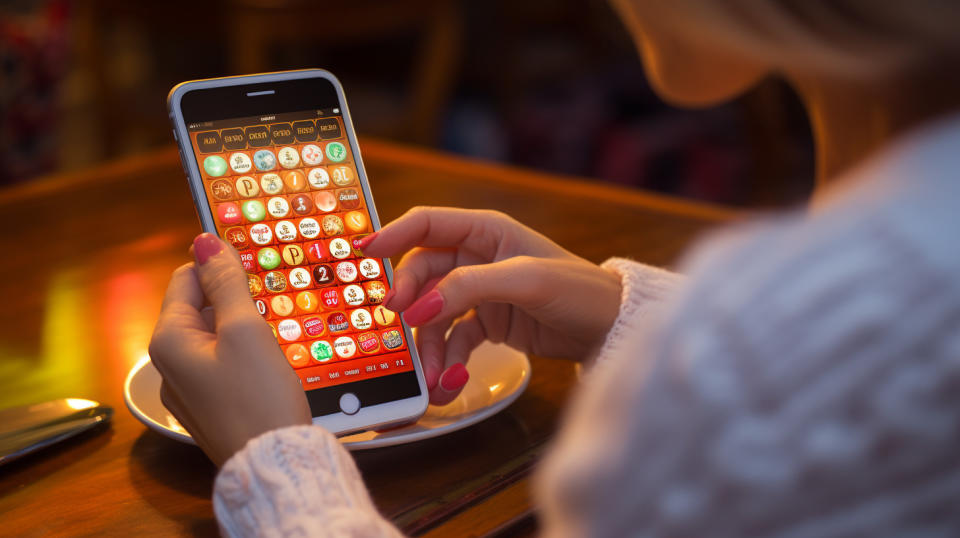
x,y
475,417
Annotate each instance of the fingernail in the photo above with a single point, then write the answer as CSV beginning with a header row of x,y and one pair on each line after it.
x,y
206,245
454,378
364,242
424,309
387,297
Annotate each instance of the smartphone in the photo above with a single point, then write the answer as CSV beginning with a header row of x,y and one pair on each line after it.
x,y
274,168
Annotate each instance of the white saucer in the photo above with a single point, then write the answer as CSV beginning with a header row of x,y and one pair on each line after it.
x,y
498,376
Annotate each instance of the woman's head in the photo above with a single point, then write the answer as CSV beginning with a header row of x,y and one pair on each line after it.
x,y
700,52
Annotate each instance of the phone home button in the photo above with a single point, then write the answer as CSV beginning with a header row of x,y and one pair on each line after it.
x,y
349,403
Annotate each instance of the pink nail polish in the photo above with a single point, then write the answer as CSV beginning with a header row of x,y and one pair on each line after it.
x,y
424,309
206,245
365,242
454,378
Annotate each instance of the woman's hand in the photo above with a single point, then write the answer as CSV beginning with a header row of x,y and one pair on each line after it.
x,y
224,377
484,276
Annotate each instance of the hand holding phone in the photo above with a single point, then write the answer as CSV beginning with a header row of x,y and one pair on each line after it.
x,y
274,168
225,379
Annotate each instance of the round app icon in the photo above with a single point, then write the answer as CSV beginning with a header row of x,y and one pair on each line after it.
x,y
293,255
300,278
323,275
312,155
268,258
249,261
286,231
337,322
261,234
309,227
289,330
288,157
278,207
342,176
391,339
368,343
302,204
332,225
361,319
222,190
294,181
314,326
240,163
330,298
383,316
339,248
336,152
271,184
261,307
215,166
345,347
321,351
319,178
316,251
297,355
247,187
237,236
353,295
264,160
255,285
348,198
228,213
356,221
281,305
307,301
254,211
375,291
275,282
325,201
346,272
369,268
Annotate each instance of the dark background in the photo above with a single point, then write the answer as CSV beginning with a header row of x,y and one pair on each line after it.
x,y
547,84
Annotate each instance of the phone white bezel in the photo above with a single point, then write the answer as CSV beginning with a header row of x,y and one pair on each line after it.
x,y
384,414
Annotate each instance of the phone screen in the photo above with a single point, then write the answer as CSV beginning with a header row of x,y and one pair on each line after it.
x,y
284,189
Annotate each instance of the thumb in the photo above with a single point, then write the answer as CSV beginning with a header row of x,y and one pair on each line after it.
x,y
222,278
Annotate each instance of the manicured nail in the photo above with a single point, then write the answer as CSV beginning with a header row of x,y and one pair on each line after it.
x,y
387,297
364,242
454,378
424,309
206,245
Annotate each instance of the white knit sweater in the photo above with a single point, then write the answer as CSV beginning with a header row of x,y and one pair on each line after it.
x,y
804,381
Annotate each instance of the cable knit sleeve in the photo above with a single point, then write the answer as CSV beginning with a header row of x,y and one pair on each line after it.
x,y
645,290
296,481
804,382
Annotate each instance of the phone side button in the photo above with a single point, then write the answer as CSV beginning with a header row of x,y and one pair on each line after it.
x,y
349,403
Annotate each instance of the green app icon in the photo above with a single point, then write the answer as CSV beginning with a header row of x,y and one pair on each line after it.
x,y
321,350
215,166
254,210
268,258
336,152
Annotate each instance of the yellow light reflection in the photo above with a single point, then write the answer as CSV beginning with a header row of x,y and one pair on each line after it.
x,y
80,404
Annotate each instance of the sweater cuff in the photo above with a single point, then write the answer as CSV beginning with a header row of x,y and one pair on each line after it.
x,y
645,288
295,481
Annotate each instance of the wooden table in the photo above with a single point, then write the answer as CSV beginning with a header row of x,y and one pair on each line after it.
x,y
86,260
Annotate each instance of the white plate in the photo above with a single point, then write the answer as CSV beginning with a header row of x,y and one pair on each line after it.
x,y
498,375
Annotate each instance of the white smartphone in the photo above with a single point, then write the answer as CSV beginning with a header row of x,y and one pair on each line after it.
x,y
274,168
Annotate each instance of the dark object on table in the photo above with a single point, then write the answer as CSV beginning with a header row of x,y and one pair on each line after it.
x,y
29,428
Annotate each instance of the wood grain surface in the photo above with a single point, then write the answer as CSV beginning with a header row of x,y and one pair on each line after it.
x,y
86,260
